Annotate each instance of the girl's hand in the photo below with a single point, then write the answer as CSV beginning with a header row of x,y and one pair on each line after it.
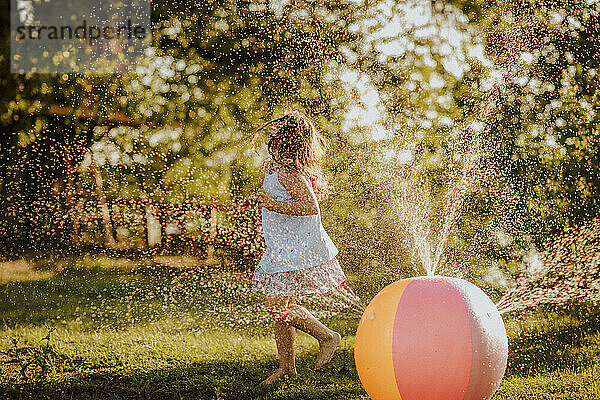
x,y
264,199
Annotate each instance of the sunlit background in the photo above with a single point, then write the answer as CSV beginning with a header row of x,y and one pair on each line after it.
x,y
463,142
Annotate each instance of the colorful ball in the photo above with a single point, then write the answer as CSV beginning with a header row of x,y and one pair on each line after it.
x,y
431,338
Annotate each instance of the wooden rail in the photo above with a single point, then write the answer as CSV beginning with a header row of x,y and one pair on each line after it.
x,y
148,222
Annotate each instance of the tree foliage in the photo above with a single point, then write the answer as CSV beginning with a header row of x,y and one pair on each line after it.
x,y
214,72
546,132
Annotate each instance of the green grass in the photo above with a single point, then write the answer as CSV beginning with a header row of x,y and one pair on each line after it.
x,y
102,328
554,353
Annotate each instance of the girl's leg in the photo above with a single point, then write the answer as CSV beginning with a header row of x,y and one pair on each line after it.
x,y
302,319
286,309
284,338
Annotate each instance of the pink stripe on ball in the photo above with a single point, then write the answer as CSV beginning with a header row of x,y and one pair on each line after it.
x,y
432,347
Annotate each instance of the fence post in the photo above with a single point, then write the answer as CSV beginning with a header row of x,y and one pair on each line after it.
x,y
162,221
102,203
74,203
212,236
145,222
114,216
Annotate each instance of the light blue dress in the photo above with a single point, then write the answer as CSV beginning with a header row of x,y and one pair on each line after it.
x,y
293,242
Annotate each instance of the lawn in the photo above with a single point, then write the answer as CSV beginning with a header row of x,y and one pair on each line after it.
x,y
107,328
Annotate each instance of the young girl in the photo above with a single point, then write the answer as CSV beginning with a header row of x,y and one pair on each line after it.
x,y
300,258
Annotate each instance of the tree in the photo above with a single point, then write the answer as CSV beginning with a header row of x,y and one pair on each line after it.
x,y
546,134
214,72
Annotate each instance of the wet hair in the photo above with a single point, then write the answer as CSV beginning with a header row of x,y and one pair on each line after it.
x,y
295,143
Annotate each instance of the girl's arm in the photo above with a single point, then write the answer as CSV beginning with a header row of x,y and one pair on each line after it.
x,y
305,202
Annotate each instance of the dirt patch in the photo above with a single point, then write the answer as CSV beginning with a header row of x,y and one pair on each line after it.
x,y
22,270
180,261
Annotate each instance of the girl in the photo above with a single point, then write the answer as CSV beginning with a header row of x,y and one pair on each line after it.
x,y
300,258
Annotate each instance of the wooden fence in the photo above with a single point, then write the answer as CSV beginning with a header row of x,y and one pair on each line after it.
x,y
194,228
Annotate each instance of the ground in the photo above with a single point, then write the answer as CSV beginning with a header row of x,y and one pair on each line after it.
x,y
106,328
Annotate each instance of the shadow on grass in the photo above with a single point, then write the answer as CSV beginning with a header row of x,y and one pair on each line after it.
x,y
233,380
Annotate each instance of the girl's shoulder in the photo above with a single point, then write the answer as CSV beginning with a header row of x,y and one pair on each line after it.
x,y
289,174
284,171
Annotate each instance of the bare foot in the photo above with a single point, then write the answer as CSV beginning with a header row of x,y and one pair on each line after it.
x,y
326,349
279,374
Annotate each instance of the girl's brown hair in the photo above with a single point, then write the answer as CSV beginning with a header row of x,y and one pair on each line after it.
x,y
298,145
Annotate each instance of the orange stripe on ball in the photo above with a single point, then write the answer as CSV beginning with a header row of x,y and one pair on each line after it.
x,y
373,346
